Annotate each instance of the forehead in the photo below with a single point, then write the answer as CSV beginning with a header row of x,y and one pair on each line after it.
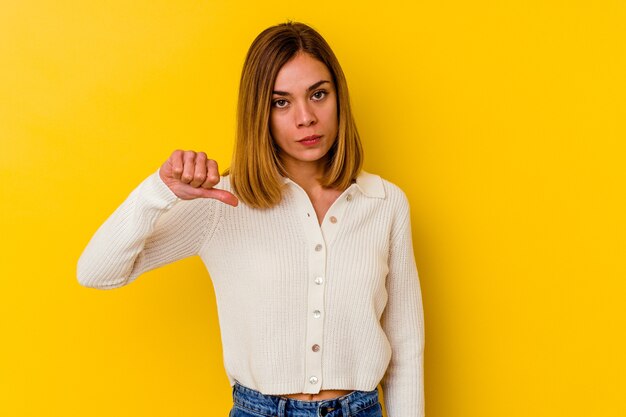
x,y
300,72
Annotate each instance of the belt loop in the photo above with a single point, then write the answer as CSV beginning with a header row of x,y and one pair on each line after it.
x,y
345,407
281,407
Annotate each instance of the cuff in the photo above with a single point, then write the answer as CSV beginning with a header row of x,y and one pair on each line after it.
x,y
158,193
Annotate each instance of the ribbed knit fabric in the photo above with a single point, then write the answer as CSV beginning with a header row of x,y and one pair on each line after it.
x,y
302,307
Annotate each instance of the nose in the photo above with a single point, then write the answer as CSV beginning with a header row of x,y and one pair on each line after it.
x,y
305,116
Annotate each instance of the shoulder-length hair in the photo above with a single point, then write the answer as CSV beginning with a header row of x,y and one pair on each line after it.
x,y
256,169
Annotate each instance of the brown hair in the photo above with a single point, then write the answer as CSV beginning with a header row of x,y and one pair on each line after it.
x,y
256,167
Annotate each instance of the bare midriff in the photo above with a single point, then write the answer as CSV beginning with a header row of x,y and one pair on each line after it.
x,y
322,395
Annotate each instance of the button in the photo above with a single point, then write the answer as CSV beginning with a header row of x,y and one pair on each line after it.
x,y
333,219
317,314
313,380
315,348
349,197
318,247
319,280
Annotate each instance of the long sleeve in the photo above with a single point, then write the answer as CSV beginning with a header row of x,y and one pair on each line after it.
x,y
151,228
403,323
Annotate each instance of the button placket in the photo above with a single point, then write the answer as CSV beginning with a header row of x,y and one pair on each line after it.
x,y
318,238
315,317
335,217
315,295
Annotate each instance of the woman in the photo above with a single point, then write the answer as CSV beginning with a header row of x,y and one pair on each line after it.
x,y
311,257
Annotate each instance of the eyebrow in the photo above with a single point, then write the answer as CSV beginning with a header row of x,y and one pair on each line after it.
x,y
312,87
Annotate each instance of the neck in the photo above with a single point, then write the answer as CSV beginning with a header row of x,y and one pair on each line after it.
x,y
306,174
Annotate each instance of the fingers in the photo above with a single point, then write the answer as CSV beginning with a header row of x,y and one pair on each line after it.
x,y
194,169
200,171
189,167
176,161
193,175
212,174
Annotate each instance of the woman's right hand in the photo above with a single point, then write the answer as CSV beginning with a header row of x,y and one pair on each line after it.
x,y
192,175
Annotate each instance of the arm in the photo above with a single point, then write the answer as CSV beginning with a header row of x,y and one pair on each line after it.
x,y
403,322
151,228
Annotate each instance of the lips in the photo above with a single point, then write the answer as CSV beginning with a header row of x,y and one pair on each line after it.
x,y
310,138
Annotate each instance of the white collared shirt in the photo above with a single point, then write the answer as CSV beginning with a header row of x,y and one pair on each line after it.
x,y
302,306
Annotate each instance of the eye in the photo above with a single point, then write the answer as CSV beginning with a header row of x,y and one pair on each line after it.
x,y
281,103
319,95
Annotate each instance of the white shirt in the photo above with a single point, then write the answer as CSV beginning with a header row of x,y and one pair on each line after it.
x,y
302,307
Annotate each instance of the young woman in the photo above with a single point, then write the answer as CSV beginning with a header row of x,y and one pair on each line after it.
x,y
310,256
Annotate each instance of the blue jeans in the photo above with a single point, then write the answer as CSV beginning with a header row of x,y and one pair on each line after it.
x,y
251,403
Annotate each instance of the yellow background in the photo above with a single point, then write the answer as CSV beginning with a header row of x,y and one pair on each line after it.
x,y
503,121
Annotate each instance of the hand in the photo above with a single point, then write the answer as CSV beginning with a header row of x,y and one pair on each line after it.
x,y
192,175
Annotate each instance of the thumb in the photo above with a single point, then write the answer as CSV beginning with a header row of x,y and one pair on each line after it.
x,y
221,195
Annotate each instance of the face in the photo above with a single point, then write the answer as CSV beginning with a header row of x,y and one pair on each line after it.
x,y
303,116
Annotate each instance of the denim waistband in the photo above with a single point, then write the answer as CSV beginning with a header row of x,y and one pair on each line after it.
x,y
279,406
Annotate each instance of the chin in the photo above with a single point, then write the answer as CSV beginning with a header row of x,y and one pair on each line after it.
x,y
312,157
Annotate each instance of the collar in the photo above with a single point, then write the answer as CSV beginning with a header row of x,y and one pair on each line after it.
x,y
371,185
